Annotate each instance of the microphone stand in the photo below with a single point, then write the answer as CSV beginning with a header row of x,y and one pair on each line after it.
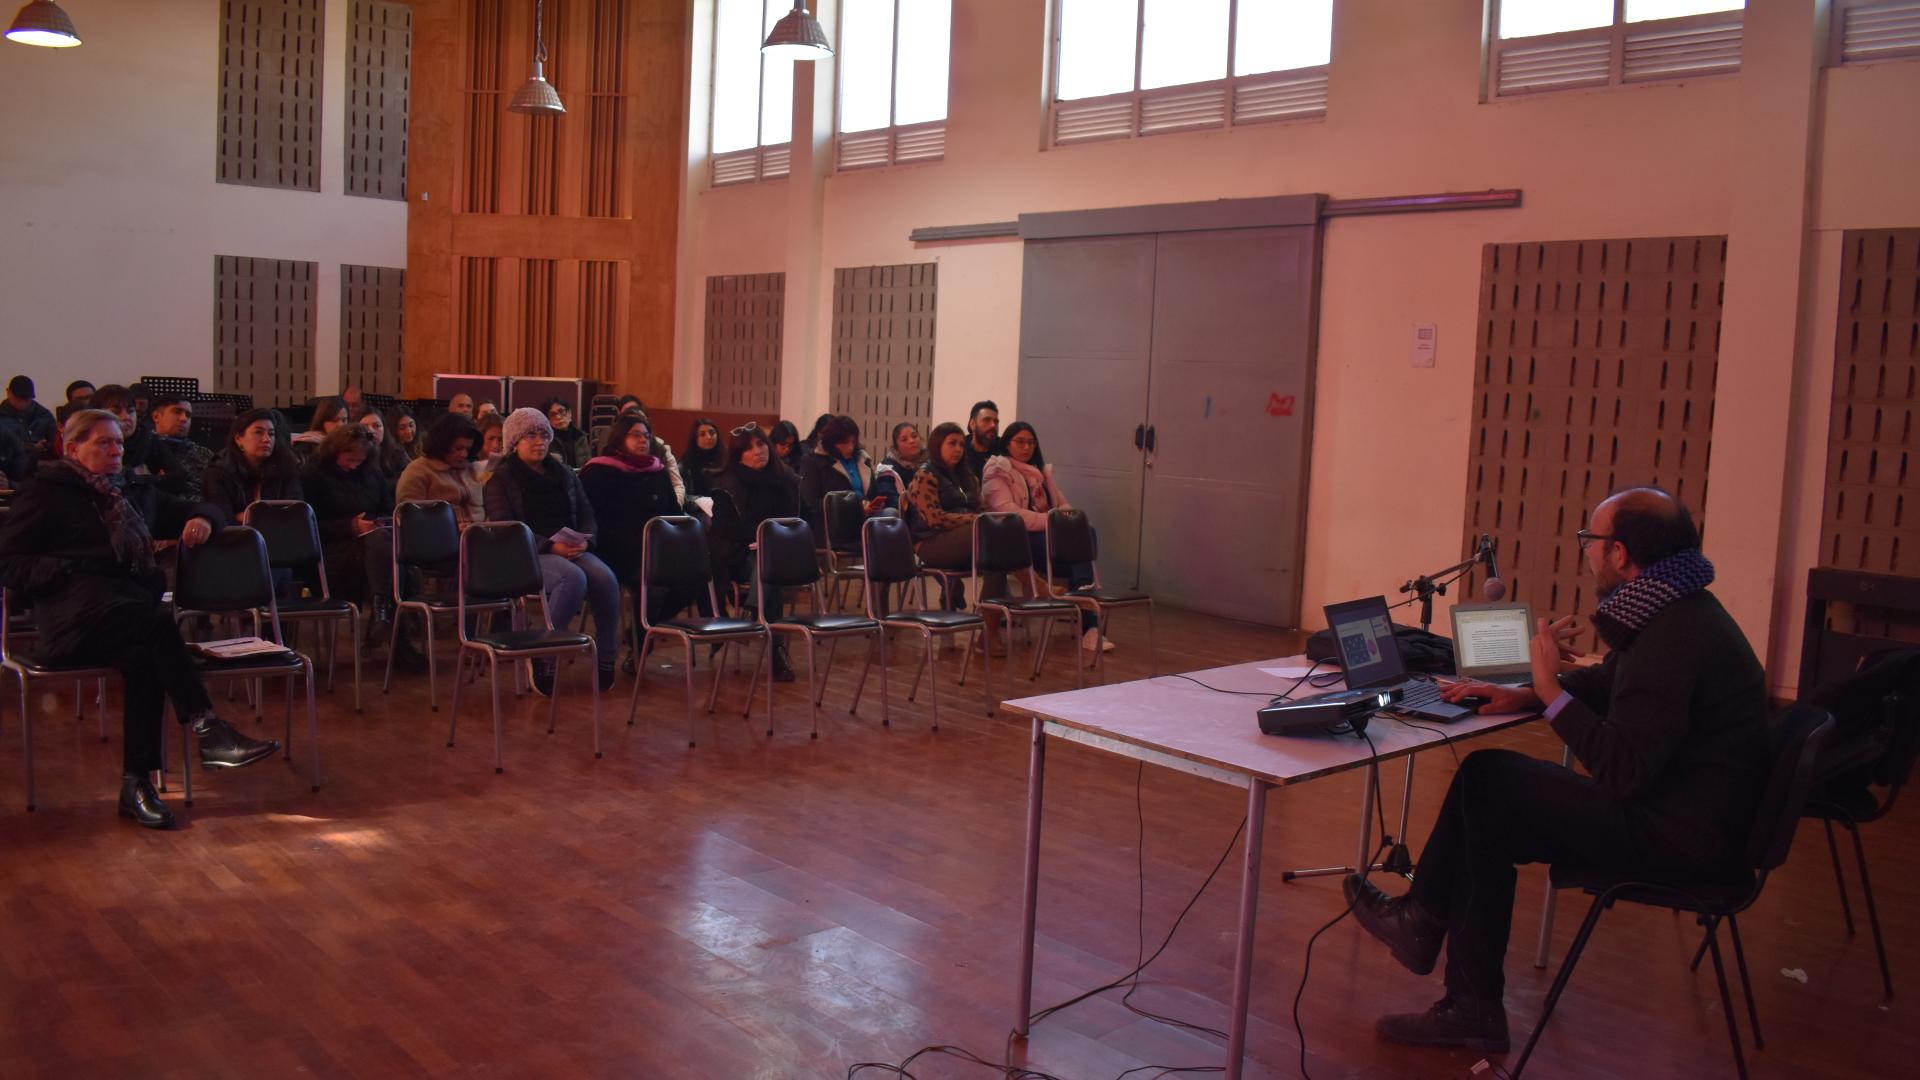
x,y
1427,586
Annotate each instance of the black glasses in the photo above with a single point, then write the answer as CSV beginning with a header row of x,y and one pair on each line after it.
x,y
1583,537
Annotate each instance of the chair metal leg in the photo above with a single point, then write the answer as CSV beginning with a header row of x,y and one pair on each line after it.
x,y
719,667
886,706
393,642
1560,982
813,698
453,710
553,699
914,690
26,740
688,642
286,746
313,726
333,651
186,758
1100,617
1839,879
1873,912
1700,953
861,686
433,665
1726,1004
986,669
100,706
639,678
933,680
356,660
593,680
493,683
1746,982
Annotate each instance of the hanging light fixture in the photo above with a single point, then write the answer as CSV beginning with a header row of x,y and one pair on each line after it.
x,y
798,36
41,22
536,96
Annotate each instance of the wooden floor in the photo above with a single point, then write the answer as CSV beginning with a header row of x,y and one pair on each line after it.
x,y
787,908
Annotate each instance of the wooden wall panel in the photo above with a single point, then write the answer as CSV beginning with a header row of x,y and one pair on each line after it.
x,y
1597,361
379,51
263,328
269,105
372,328
546,245
745,313
883,331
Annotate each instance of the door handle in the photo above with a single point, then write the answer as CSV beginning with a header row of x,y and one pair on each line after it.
x,y
1139,436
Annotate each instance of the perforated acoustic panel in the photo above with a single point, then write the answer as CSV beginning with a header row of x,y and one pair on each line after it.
x,y
1597,361
744,317
372,321
566,318
263,325
1872,444
883,322
269,110
379,78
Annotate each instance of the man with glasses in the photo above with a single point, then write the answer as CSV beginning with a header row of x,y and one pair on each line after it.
x,y
1671,727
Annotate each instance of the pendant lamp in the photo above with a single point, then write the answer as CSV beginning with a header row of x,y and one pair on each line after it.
x,y
536,96
798,36
42,22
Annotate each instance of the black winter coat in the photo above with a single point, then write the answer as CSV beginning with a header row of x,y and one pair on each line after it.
x,y
572,446
338,496
739,508
506,501
624,502
231,484
56,555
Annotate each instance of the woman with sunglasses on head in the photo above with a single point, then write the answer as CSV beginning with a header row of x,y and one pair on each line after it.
x,y
1019,481
751,487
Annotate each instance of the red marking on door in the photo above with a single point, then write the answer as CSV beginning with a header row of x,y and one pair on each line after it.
x,y
1279,404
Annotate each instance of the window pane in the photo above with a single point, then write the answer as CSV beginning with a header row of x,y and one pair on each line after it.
x,y
1642,10
776,87
926,33
1096,47
866,63
1524,18
1185,41
1280,35
736,75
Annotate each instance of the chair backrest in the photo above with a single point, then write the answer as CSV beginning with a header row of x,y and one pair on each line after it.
x,y
425,534
887,550
228,572
674,555
1070,537
840,518
786,559
1000,544
1803,731
289,529
498,561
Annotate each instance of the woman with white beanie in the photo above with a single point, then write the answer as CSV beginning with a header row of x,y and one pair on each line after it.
x,y
533,486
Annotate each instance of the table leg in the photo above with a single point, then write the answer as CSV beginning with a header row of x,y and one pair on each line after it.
x,y
1366,833
1249,903
1030,895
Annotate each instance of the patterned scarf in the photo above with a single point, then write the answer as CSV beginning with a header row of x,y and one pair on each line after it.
x,y
1623,614
126,529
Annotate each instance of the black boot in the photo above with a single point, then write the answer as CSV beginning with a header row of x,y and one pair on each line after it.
x,y
221,747
782,668
540,674
1453,1021
406,655
140,802
1408,929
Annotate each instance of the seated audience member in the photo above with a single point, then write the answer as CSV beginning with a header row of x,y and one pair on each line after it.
x,y
16,465
570,442
460,405
629,486
702,457
350,497
389,456
351,398
533,486
629,404
1671,728
175,460
909,453
750,488
79,393
445,472
80,552
35,420
484,410
1021,482
785,440
405,429
665,453
839,463
983,435
942,502
137,453
493,445
328,413
252,466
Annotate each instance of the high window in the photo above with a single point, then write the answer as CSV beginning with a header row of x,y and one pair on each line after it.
x,y
893,81
1868,30
751,127
1541,45
1147,67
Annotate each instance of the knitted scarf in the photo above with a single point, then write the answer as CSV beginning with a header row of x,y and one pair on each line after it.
x,y
618,458
1628,609
126,529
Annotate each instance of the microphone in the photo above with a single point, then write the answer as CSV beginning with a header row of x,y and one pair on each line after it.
x,y
1493,588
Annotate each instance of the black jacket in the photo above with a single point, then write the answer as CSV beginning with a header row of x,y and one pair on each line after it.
x,y
338,497
231,484
56,555
177,465
506,501
738,510
36,424
1675,725
572,446
624,502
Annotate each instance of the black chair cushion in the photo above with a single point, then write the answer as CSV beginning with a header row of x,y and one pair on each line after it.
x,y
314,605
35,665
1717,891
938,620
829,623
1029,605
527,640
1105,595
710,627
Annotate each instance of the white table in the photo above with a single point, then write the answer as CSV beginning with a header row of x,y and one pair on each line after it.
x,y
1177,724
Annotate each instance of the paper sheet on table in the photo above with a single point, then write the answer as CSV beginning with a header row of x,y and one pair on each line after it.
x,y
1296,671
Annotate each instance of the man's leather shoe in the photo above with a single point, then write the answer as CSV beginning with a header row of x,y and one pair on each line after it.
x,y
221,747
1409,930
140,802
1451,1022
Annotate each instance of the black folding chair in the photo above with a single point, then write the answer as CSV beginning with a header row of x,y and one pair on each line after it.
x,y
1711,899
674,557
840,518
784,560
888,561
499,563
28,669
1000,547
426,543
229,575
293,543
1070,539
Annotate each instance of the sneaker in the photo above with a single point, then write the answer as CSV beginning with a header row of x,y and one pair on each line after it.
x,y
1451,1022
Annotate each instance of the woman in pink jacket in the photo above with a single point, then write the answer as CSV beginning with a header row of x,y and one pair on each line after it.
x,y
1018,480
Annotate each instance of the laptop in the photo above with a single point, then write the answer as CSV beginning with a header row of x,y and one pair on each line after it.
x,y
1490,643
1370,654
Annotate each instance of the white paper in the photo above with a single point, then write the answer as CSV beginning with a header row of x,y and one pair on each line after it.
x,y
1296,672
704,502
568,536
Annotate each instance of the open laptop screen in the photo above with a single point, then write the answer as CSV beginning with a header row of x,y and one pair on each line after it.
x,y
1492,639
1363,634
